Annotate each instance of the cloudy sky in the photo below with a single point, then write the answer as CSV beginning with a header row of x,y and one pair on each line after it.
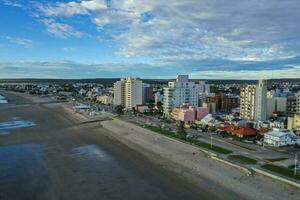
x,y
239,39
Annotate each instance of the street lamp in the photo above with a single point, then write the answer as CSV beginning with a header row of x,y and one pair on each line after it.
x,y
211,140
295,167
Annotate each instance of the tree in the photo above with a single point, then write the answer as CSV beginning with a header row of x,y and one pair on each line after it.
x,y
151,107
181,131
159,106
119,109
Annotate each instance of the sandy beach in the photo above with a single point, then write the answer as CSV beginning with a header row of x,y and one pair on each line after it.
x,y
64,158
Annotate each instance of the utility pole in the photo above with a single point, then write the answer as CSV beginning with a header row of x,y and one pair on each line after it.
x,y
295,167
211,140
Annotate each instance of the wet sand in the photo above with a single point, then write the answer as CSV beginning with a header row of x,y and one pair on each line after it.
x,y
60,158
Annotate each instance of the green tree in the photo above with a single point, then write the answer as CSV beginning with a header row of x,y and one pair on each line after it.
x,y
181,130
151,107
119,109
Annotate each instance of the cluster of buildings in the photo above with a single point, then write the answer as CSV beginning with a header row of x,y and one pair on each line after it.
x,y
255,111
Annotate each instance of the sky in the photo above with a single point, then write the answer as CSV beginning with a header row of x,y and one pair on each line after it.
x,y
207,39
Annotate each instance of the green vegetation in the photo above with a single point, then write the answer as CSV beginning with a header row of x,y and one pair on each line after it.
x,y
275,159
242,159
181,131
119,109
282,171
188,140
159,130
213,147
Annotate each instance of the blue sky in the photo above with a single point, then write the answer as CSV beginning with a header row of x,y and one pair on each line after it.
x,y
221,39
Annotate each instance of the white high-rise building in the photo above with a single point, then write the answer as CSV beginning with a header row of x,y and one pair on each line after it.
x,y
261,101
180,93
128,92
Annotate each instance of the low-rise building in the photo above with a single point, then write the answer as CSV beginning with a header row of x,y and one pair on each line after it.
x,y
241,132
190,114
211,107
294,123
141,108
281,137
104,99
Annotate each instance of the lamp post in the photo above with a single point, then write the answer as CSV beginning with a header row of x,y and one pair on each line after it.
x,y
295,167
211,140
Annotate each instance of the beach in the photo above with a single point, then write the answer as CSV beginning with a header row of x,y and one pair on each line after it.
x,y
64,157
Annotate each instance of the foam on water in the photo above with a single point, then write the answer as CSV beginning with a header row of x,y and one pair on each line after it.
x,y
2,99
15,123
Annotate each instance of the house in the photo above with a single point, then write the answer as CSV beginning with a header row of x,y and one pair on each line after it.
x,y
281,137
244,132
141,108
240,132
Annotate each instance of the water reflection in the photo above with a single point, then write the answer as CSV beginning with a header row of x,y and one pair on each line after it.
x,y
21,171
2,99
14,124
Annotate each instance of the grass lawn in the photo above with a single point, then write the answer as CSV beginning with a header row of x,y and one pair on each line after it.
x,y
275,159
190,141
242,159
282,171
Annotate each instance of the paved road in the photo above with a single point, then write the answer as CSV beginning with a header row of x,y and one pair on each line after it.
x,y
250,150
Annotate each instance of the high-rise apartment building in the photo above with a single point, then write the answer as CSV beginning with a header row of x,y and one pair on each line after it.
x,y
128,92
224,102
247,102
261,101
291,105
297,103
147,91
253,101
181,92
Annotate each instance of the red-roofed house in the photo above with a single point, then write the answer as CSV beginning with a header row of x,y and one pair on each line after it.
x,y
244,132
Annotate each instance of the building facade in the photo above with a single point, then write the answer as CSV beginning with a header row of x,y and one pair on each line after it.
x,y
261,101
297,95
294,123
181,92
128,92
247,102
291,105
224,102
279,138
147,91
189,114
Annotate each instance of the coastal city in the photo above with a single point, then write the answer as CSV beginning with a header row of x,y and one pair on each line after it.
x,y
253,125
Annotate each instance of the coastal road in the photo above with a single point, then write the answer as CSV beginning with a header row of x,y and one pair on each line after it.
x,y
250,150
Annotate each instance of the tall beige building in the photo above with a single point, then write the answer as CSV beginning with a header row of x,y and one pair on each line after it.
x,y
128,92
247,102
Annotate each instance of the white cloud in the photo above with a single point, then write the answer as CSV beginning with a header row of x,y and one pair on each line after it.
x,y
69,49
71,8
20,41
14,3
61,30
248,75
192,29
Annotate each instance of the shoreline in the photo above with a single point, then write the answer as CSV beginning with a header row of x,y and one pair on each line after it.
x,y
178,157
197,170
